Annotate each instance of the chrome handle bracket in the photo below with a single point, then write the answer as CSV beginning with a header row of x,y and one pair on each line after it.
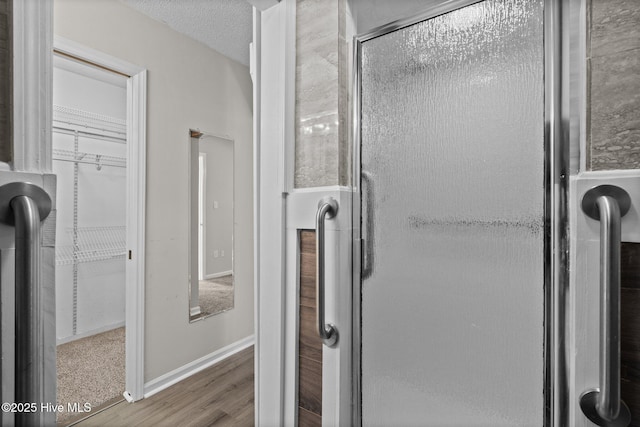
x,y
589,405
327,208
14,189
590,200
603,406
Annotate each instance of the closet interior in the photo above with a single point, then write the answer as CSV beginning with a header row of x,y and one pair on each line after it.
x,y
89,160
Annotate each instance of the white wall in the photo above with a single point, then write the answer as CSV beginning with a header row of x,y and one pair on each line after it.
x,y
189,86
89,89
218,204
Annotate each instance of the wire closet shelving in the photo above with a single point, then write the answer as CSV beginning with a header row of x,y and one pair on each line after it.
x,y
89,243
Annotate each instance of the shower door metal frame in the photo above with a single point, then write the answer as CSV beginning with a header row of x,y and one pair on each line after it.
x,y
556,218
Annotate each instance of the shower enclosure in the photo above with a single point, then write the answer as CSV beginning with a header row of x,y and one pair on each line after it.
x,y
483,282
454,152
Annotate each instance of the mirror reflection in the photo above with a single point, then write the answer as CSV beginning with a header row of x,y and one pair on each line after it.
x,y
211,284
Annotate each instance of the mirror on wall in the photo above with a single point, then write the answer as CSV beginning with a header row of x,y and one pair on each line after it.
x,y
211,286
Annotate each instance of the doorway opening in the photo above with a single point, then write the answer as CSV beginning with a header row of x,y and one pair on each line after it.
x,y
89,153
98,151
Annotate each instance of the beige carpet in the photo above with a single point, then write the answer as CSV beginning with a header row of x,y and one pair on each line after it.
x,y
91,370
216,295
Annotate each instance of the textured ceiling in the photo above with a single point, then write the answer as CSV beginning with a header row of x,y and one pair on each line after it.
x,y
223,25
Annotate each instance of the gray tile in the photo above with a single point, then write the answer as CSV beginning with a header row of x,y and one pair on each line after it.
x,y
317,93
615,26
615,111
344,108
318,166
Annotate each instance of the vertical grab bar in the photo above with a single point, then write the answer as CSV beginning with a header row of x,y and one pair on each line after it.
x,y
25,205
327,208
603,406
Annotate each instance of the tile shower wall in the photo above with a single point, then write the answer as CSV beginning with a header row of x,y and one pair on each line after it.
x,y
5,80
321,154
614,65
322,149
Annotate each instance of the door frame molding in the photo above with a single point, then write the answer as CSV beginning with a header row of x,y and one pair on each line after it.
x,y
274,31
32,31
136,204
556,215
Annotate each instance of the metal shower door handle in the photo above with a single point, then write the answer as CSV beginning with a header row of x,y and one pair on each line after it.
x,y
603,406
25,205
368,220
327,208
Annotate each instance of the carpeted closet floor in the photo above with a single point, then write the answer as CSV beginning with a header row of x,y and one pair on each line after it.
x,y
216,295
91,370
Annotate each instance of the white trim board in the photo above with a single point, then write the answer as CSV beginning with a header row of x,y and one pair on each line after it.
x,y
185,371
269,203
32,85
136,196
301,209
96,331
255,66
221,274
74,49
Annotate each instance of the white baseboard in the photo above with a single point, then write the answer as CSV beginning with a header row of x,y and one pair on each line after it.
x,y
90,333
156,385
221,274
194,311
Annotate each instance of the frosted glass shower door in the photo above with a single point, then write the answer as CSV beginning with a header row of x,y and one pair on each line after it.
x,y
453,215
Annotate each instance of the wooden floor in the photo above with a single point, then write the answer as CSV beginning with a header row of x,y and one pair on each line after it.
x,y
221,395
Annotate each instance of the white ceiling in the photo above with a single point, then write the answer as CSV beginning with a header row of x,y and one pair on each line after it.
x,y
223,25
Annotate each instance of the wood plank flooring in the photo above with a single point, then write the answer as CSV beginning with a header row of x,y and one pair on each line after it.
x,y
221,395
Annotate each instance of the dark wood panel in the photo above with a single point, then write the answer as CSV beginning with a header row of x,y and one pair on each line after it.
x,y
630,325
308,261
627,389
629,263
308,419
630,328
310,385
309,344
308,241
308,279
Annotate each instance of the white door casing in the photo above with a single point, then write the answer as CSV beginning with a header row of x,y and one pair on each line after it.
x,y
269,104
135,215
